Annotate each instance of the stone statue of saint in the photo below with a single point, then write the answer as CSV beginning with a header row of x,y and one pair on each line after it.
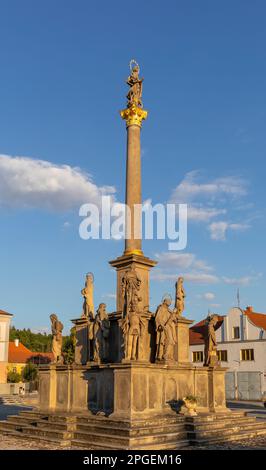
x,y
87,293
210,349
180,296
130,289
135,92
132,326
57,328
165,322
101,333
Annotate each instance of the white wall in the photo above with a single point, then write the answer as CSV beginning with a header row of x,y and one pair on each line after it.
x,y
4,336
250,339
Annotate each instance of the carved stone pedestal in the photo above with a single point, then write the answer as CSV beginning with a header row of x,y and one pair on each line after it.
x,y
130,391
182,347
82,340
142,266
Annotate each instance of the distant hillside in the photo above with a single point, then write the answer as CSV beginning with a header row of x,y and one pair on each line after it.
x,y
40,342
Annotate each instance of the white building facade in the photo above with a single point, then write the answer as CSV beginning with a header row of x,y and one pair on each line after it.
x,y
5,320
241,339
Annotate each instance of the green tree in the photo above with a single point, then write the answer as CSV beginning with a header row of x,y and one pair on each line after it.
x,y
69,348
13,377
30,372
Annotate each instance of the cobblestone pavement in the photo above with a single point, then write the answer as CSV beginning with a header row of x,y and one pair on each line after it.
x,y
259,443
13,443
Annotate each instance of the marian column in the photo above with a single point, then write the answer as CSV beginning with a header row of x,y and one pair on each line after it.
x,y
133,116
133,267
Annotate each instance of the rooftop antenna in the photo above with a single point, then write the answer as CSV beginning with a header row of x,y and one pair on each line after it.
x,y
238,298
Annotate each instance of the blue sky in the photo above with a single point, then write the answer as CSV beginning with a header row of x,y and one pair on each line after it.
x,y
63,71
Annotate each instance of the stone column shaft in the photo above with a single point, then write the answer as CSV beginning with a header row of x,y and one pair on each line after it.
x,y
133,191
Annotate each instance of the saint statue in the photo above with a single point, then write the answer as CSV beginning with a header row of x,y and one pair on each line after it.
x,y
135,83
180,296
87,293
130,289
166,338
210,349
101,333
57,328
132,326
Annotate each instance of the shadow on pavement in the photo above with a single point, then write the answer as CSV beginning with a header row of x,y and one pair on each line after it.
x,y
6,410
245,405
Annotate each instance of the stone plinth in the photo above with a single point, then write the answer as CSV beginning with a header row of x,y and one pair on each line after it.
x,y
181,353
142,266
130,391
82,340
147,340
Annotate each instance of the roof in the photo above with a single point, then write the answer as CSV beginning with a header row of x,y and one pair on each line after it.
x,y
2,312
22,355
257,319
198,331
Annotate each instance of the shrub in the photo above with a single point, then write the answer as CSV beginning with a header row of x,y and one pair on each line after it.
x,y
13,377
30,372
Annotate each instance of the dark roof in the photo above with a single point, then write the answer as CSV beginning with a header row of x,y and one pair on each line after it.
x,y
2,312
198,331
22,355
257,319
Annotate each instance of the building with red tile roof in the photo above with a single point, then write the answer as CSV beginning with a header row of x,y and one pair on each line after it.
x,y
241,346
19,354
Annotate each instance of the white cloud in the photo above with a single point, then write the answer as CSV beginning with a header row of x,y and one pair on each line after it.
x,y
171,265
219,229
26,182
181,261
191,188
200,213
239,281
110,296
207,200
208,296
196,277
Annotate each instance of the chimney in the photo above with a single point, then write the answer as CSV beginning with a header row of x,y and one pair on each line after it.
x,y
16,342
250,308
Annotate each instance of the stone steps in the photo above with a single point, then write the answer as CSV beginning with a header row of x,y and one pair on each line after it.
x,y
92,427
106,439
32,414
62,435
110,422
217,425
233,429
56,426
11,400
37,438
215,417
171,445
235,426
243,435
99,432
12,425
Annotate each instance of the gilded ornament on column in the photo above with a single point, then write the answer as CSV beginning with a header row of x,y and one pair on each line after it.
x,y
134,114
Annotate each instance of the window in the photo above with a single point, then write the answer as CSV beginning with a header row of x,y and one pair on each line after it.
x,y
247,354
236,332
222,356
197,356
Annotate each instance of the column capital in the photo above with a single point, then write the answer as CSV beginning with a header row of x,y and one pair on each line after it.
x,y
133,115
